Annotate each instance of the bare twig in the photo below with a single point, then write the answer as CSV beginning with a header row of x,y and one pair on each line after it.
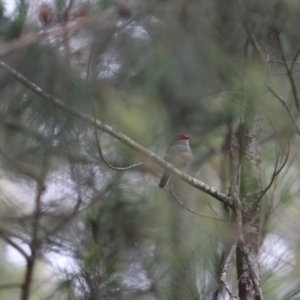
x,y
34,245
99,148
8,240
276,172
212,209
234,155
289,72
229,95
120,136
225,269
283,102
266,219
21,167
67,10
288,62
13,235
192,211
76,210
251,38
294,59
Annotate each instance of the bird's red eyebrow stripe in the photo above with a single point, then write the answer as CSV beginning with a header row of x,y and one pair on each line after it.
x,y
183,137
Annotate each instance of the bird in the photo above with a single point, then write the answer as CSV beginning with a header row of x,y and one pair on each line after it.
x,y
179,154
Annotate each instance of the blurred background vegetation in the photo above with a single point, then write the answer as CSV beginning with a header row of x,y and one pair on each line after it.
x,y
151,69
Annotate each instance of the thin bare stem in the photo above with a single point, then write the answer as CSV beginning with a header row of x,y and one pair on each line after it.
x,y
9,241
66,13
192,211
288,62
283,102
294,59
34,245
289,72
276,172
225,269
99,148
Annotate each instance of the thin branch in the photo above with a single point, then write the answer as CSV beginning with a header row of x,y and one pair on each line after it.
x,y
274,175
266,219
251,38
294,59
67,10
234,156
276,171
225,269
283,102
226,94
288,62
68,218
21,167
99,148
34,245
5,237
213,209
289,72
120,136
192,211
13,235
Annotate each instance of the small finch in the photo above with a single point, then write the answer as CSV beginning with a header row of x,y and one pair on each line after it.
x,y
179,154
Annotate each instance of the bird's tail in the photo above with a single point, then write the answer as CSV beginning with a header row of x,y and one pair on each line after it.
x,y
164,179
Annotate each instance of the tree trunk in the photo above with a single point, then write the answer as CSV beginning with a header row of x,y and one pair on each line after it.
x,y
250,187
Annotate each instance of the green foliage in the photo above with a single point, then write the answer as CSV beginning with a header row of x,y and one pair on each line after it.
x,y
173,68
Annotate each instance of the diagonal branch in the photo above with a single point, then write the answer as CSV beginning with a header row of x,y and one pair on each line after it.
x,y
251,38
283,102
192,211
99,148
276,170
225,269
35,243
294,59
120,136
98,144
289,72
9,241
